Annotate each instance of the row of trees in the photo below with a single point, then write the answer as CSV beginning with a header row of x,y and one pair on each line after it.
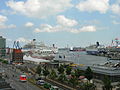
x,y
61,75
77,72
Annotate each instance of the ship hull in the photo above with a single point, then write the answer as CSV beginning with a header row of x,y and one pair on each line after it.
x,y
92,52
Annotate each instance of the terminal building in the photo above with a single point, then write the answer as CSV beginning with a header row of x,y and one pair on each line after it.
x,y
2,46
110,69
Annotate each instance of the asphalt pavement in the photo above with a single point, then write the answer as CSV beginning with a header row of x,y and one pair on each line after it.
x,y
13,75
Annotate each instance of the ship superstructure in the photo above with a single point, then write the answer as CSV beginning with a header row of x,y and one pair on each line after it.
x,y
96,49
40,50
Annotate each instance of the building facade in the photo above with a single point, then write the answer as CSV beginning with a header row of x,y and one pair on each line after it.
x,y
2,46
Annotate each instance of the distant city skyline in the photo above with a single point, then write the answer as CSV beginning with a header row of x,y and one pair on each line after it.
x,y
60,22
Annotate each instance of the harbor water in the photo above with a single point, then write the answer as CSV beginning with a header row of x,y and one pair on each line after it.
x,y
81,58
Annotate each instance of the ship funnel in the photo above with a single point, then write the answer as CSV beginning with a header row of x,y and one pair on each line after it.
x,y
34,39
53,45
97,43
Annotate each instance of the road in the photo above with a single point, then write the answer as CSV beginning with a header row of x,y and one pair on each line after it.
x,y
14,80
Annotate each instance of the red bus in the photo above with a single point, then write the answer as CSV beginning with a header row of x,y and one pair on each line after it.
x,y
23,78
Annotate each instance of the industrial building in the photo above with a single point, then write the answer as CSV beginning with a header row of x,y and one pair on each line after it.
x,y
17,54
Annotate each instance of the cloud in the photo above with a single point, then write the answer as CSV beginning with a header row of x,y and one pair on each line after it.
x,y
23,40
115,22
3,20
64,24
94,21
4,26
88,28
62,20
39,8
37,30
11,26
58,28
7,12
47,28
116,8
93,5
29,24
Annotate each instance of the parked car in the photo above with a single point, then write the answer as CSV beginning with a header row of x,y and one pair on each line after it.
x,y
40,82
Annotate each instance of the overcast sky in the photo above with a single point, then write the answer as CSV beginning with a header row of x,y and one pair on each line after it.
x,y
60,22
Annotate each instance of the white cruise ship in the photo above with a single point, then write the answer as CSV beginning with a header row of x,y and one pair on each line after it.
x,y
39,50
95,49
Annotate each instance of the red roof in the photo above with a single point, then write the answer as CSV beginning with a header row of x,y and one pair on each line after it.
x,y
81,77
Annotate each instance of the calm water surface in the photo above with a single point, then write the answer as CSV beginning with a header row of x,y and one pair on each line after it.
x,y
81,58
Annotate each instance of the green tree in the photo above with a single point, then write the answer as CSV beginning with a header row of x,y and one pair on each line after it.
x,y
68,70
78,72
53,74
62,77
46,72
73,81
39,70
107,83
61,69
89,73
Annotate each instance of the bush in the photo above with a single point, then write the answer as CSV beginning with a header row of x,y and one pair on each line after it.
x,y
4,61
47,85
1,60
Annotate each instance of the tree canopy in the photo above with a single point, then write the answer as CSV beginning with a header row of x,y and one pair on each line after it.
x,y
89,73
38,70
61,69
107,83
73,81
62,77
53,74
78,72
68,70
46,72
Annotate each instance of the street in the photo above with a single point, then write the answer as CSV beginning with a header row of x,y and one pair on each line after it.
x,y
12,77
